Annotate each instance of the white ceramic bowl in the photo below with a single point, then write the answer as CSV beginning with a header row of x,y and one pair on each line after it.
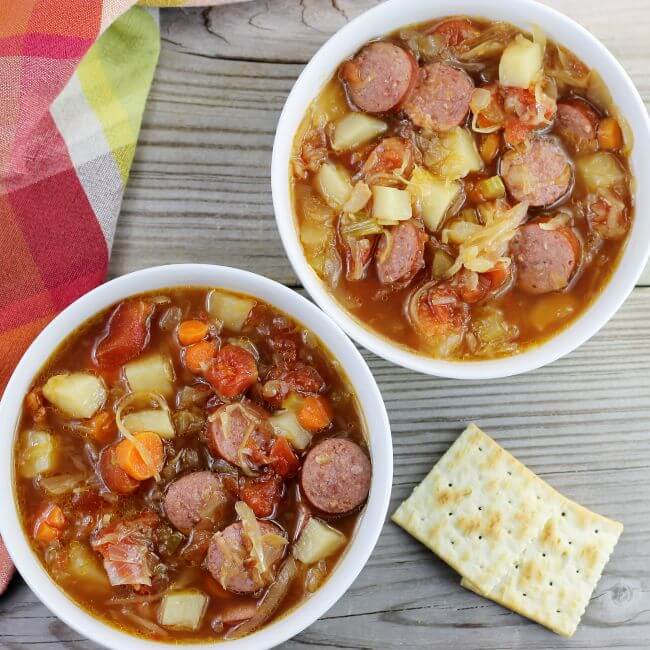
x,y
390,16
377,426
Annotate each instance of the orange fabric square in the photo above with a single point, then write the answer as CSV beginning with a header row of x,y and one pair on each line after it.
x,y
14,16
63,17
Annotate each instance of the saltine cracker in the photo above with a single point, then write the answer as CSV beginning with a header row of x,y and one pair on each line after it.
x,y
477,509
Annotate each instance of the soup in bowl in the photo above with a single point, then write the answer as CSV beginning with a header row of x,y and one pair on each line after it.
x,y
460,189
192,463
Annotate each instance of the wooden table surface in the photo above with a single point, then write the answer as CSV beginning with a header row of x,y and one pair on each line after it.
x,y
200,192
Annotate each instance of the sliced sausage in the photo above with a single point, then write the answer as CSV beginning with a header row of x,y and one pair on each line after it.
x,y
439,317
336,476
196,497
228,558
440,100
577,124
546,259
540,173
400,252
229,425
379,77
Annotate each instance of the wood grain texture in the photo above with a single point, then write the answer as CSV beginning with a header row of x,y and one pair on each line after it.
x,y
200,191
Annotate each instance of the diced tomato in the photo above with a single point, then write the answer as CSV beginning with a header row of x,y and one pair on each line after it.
x,y
299,376
233,371
515,131
127,334
497,276
315,414
195,550
49,524
283,459
102,427
115,478
262,494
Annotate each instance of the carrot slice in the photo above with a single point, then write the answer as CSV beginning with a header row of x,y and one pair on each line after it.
x,y
132,461
49,524
610,136
192,331
103,428
315,413
198,356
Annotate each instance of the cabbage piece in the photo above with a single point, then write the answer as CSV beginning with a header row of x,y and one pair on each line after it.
x,y
433,196
454,155
317,541
61,483
481,247
183,610
153,373
39,455
232,311
76,394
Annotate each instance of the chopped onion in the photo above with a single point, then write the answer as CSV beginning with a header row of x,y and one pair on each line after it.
x,y
276,593
61,483
253,532
359,198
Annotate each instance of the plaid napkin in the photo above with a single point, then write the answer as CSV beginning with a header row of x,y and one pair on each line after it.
x,y
74,79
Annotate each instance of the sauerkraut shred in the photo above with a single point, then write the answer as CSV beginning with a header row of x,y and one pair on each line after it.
x,y
482,247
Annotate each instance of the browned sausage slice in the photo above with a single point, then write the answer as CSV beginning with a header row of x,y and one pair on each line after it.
x,y
546,259
400,252
336,476
196,497
229,425
379,77
228,558
539,174
576,123
440,100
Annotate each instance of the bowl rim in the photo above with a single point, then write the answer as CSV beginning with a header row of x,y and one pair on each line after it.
x,y
353,365
388,17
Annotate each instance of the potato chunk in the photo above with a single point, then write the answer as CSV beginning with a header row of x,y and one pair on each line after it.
x,y
183,610
521,63
356,129
285,423
600,170
456,155
84,567
154,420
232,311
317,541
333,184
152,373
390,204
433,196
76,394
39,455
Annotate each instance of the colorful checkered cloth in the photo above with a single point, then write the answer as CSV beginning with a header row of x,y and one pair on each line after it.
x,y
74,79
